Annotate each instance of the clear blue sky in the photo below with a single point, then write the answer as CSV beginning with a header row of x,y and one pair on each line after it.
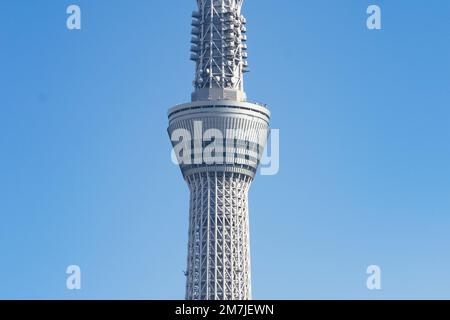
x,y
364,118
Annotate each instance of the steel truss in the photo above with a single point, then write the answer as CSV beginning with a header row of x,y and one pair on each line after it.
x,y
219,248
218,44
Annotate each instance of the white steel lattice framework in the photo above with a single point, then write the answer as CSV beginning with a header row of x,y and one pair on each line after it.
x,y
218,264
219,49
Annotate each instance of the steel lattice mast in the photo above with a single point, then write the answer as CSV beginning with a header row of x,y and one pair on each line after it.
x,y
218,264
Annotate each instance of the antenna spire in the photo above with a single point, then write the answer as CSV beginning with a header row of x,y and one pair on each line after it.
x,y
219,50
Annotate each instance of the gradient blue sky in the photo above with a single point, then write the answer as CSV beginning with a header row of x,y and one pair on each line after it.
x,y
85,170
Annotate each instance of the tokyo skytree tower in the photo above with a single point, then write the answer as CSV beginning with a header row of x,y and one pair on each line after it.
x,y
220,120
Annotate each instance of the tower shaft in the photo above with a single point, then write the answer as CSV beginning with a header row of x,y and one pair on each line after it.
x,y
222,138
219,254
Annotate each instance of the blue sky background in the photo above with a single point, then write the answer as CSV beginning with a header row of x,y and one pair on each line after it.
x,y
85,170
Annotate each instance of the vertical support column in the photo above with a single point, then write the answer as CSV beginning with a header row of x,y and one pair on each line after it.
x,y
222,218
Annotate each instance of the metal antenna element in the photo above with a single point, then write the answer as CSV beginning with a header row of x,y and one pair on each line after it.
x,y
219,50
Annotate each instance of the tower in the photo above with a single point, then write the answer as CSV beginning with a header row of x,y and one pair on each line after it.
x,y
218,139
